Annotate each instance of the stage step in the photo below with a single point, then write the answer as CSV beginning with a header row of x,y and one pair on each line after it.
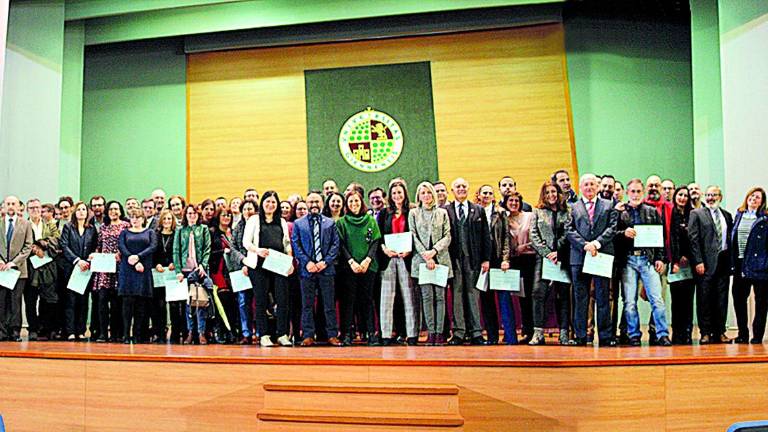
x,y
373,404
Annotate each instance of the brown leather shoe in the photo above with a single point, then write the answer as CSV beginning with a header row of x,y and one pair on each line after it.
x,y
203,340
308,342
333,341
705,340
188,340
724,339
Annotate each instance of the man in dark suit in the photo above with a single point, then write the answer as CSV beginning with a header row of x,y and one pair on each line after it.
x,y
149,207
471,253
16,238
709,229
591,230
315,244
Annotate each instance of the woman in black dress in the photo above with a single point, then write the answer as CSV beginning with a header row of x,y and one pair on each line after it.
x,y
137,244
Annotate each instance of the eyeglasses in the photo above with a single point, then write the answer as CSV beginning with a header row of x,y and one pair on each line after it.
x,y
712,195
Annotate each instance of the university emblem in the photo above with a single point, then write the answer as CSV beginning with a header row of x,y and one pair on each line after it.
x,y
370,141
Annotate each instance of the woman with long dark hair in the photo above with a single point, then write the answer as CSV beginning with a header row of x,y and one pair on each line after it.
x,y
681,291
78,241
265,231
550,217
396,267
359,238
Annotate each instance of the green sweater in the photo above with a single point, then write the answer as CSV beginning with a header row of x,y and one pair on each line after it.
x,y
360,237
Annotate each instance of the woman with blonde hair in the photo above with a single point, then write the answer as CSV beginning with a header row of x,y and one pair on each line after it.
x,y
431,237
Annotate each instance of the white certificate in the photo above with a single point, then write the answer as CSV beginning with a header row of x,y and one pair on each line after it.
x,y
651,236
159,279
399,243
554,272
598,265
104,263
683,274
278,262
438,276
38,262
482,281
79,279
175,290
505,280
240,282
9,278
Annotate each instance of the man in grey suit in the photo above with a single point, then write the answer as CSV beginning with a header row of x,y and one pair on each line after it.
x,y
470,251
16,238
591,230
709,229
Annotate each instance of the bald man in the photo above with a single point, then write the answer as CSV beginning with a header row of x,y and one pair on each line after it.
x,y
16,238
591,230
470,251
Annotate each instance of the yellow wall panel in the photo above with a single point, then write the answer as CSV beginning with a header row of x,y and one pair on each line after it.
x,y
500,100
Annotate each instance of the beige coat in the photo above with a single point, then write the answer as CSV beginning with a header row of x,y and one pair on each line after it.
x,y
21,244
441,238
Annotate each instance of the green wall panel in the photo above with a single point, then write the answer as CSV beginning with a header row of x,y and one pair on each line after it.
x,y
71,109
403,91
134,120
630,86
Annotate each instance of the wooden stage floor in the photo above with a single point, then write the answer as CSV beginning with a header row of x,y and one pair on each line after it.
x,y
466,356
63,386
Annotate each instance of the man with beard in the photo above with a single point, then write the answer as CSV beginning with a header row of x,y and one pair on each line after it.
x,y
640,264
507,185
694,190
315,244
709,229
97,207
563,179
16,238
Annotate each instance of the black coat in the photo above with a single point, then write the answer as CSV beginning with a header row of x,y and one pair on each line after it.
x,y
648,216
74,246
479,235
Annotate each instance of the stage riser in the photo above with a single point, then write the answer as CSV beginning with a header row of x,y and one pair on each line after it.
x,y
56,395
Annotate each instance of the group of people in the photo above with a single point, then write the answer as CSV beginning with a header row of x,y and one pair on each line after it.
x,y
349,283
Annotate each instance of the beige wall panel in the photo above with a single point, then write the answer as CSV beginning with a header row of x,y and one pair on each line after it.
x,y
42,395
499,98
712,397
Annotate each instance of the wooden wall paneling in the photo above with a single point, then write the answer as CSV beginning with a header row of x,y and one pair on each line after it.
x,y
712,397
499,96
42,395
556,399
172,397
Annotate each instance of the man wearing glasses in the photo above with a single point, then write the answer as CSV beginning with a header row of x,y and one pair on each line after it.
x,y
709,229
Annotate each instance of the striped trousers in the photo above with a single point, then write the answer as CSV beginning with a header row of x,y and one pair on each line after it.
x,y
394,276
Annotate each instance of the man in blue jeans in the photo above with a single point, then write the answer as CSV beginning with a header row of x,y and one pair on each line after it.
x,y
642,263
315,244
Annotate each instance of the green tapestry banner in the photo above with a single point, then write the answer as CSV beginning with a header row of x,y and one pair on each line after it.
x,y
370,124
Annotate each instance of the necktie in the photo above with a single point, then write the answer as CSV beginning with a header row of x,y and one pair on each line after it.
x,y
316,238
461,212
8,237
718,227
591,211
